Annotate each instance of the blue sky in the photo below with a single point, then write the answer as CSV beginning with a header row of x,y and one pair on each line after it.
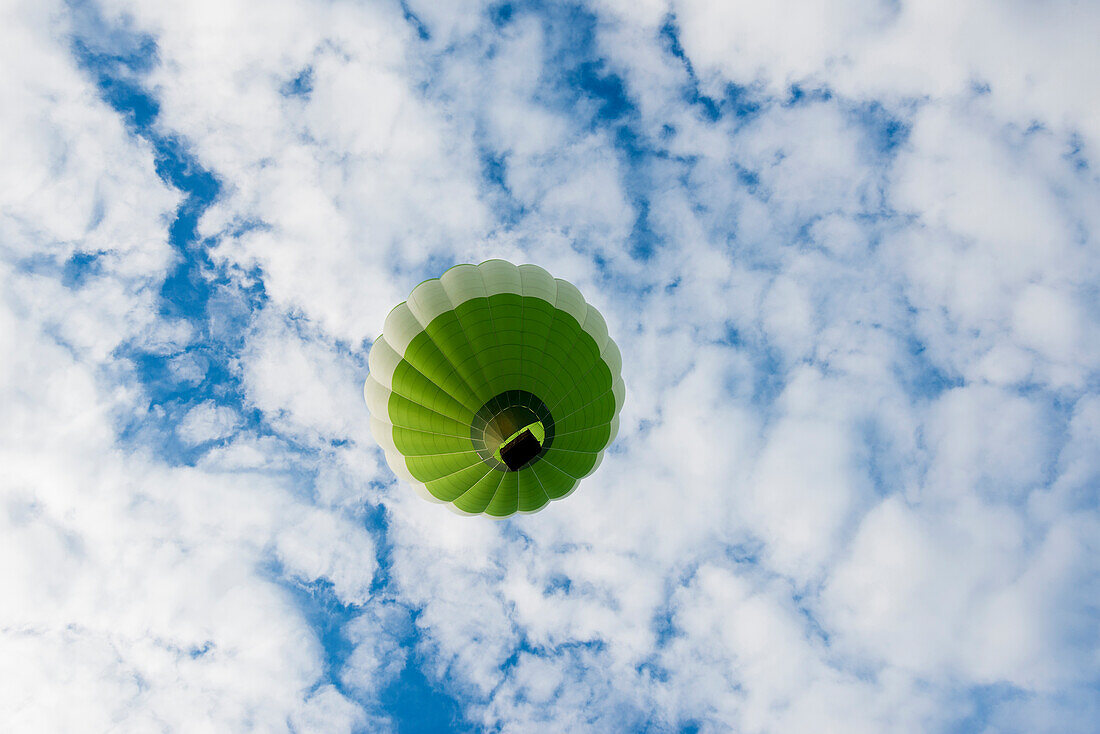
x,y
850,257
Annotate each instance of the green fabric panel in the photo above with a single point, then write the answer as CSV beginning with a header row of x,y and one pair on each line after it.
x,y
576,356
403,412
450,337
551,373
412,384
589,439
505,502
530,493
476,322
419,443
601,409
503,350
538,315
477,497
423,354
573,463
487,361
544,359
554,481
582,362
427,468
452,487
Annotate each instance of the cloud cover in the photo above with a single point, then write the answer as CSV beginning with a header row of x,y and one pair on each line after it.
x,y
850,258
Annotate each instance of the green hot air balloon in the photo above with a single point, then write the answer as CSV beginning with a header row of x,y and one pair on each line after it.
x,y
494,388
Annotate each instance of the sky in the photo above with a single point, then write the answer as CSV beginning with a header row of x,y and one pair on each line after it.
x,y
849,250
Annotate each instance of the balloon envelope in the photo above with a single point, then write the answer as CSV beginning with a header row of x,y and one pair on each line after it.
x,y
494,388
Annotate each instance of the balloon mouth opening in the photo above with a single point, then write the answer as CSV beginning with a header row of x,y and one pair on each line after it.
x,y
522,446
512,431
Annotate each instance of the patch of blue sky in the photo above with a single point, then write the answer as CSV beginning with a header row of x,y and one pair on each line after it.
x,y
494,172
412,701
212,300
300,86
219,304
79,267
584,82
414,20
500,14
982,703
800,94
217,301
923,378
768,374
1076,153
422,706
72,272
326,614
738,101
578,82
886,131
885,464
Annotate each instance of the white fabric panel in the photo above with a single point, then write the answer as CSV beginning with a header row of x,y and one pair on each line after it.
x,y
428,300
537,283
500,277
569,299
463,283
401,328
382,362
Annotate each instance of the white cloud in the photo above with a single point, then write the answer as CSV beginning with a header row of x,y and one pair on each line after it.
x,y
378,655
855,482
959,595
358,175
328,711
1033,60
135,592
987,441
207,422
306,389
322,545
188,368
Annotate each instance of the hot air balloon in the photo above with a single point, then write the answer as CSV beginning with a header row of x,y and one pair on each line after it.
x,y
494,389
